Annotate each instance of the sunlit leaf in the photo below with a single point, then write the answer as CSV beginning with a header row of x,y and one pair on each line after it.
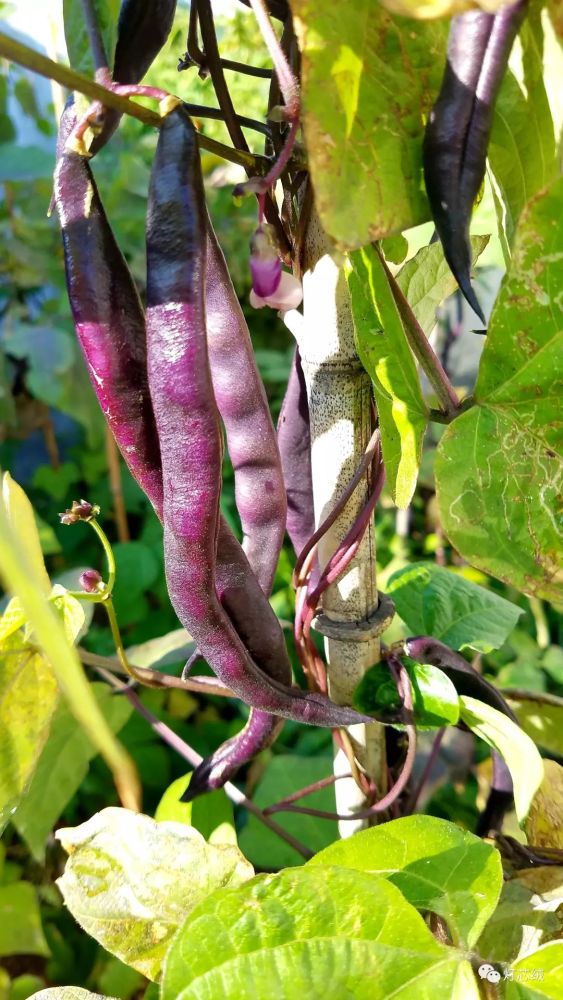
x,y
363,113
385,354
544,823
436,865
130,881
21,520
324,932
498,473
521,756
212,814
538,975
426,280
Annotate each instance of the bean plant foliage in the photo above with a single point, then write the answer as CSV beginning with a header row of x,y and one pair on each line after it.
x,y
168,710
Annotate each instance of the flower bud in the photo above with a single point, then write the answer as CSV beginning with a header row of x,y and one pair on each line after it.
x,y
90,580
80,510
265,265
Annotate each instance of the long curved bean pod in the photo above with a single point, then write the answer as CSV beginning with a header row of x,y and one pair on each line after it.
x,y
294,439
251,438
466,680
188,426
458,130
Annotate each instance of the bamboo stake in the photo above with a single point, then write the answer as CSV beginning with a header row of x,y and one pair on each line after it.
x,y
339,393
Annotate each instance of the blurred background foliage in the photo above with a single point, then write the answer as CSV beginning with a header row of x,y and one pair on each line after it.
x,y
53,441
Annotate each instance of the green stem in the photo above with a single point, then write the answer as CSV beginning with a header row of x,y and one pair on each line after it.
x,y
36,62
109,557
128,667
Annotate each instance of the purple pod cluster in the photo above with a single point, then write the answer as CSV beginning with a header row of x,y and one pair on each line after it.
x,y
188,427
457,135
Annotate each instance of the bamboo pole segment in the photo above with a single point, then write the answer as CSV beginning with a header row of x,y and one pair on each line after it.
x,y
339,394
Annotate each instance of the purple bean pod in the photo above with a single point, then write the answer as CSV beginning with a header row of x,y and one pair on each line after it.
x,y
457,135
294,440
243,406
188,426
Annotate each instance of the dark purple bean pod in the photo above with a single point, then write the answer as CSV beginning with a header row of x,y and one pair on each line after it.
x,y
243,406
188,427
465,679
457,135
294,439
261,730
142,30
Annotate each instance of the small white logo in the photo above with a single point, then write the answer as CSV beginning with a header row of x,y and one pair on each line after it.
x,y
489,973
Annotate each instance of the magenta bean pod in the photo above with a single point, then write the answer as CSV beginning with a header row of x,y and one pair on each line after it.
x,y
294,439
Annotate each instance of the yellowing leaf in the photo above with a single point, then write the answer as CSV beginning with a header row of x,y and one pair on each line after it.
x,y
544,825
130,881
504,736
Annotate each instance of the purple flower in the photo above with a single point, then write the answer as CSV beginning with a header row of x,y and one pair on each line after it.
x,y
265,265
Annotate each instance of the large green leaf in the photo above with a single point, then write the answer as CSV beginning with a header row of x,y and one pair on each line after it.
x,y
538,975
435,601
21,932
130,881
28,698
522,921
498,474
522,150
426,280
385,354
106,13
368,80
62,767
504,736
436,865
328,933
281,777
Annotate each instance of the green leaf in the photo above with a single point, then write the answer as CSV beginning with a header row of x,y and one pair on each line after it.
x,y
327,933
522,150
174,647
21,519
435,601
70,611
212,814
542,720
130,881
435,698
68,993
21,932
426,280
538,975
62,767
12,619
497,468
368,80
106,13
28,697
281,777
521,756
385,354
436,865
